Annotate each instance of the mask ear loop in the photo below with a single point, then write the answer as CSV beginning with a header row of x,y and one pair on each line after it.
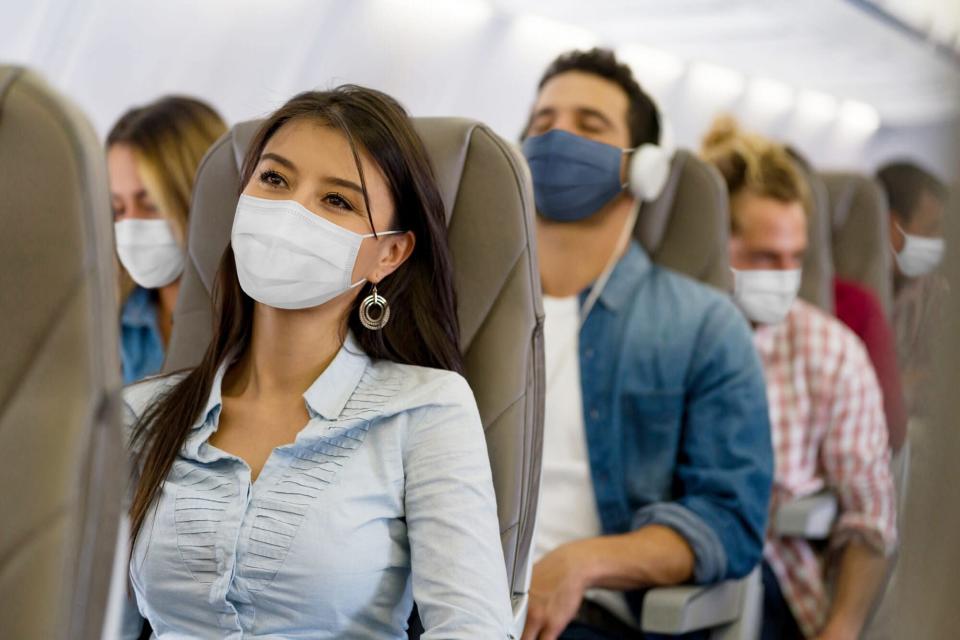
x,y
898,255
376,236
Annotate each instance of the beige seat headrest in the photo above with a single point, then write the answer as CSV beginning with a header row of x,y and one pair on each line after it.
x,y
860,231
688,226
61,484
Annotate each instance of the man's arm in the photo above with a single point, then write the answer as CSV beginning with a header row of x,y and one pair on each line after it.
x,y
856,457
862,573
649,557
714,529
652,556
724,472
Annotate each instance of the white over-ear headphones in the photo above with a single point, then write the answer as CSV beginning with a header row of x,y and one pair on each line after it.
x,y
650,164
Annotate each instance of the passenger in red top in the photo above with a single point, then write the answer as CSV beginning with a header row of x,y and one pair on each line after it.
x,y
860,310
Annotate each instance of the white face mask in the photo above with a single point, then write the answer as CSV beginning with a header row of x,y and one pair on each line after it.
x,y
919,255
290,258
149,251
765,297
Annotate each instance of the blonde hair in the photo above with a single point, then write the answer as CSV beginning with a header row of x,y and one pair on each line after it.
x,y
169,138
749,162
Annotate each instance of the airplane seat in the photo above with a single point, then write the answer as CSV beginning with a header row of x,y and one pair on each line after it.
x,y
60,437
487,193
816,285
861,254
686,228
860,233
925,580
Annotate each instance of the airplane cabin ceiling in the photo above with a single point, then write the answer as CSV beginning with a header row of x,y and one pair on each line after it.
x,y
838,47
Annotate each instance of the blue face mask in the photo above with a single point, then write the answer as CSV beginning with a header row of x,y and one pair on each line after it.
x,y
573,177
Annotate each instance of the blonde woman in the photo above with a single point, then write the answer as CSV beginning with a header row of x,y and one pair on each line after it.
x,y
152,156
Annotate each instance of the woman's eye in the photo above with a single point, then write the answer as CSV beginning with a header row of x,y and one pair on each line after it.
x,y
272,179
338,201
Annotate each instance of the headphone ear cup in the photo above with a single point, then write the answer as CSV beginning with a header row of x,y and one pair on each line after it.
x,y
649,171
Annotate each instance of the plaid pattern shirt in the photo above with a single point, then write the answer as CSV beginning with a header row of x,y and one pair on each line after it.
x,y
826,412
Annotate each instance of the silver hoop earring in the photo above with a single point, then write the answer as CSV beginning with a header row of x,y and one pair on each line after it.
x,y
380,309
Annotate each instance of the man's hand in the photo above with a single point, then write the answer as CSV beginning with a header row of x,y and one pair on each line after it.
x,y
861,575
556,590
651,556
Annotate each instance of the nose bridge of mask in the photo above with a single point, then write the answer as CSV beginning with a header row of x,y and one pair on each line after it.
x,y
265,212
144,232
772,280
268,206
923,242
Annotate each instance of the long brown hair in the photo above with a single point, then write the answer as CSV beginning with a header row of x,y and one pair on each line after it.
x,y
423,329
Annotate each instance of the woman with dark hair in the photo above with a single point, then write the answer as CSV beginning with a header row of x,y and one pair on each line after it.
x,y
324,466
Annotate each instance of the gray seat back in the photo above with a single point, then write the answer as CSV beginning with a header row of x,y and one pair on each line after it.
x,y
927,581
860,233
688,226
816,287
60,439
486,189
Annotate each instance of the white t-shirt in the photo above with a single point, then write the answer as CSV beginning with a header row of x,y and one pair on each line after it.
x,y
568,506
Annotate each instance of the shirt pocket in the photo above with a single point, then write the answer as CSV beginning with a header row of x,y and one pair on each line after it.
x,y
651,426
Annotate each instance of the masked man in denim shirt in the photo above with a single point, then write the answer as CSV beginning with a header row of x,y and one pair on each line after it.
x,y
657,460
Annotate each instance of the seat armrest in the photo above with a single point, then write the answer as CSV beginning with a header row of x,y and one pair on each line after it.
x,y
520,603
811,518
676,610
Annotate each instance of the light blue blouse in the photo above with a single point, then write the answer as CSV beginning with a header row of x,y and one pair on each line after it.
x,y
385,498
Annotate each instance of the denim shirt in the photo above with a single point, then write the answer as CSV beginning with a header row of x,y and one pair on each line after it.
x,y
141,346
675,409
384,498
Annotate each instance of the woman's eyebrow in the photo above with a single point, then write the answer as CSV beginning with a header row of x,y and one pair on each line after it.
x,y
343,182
279,160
